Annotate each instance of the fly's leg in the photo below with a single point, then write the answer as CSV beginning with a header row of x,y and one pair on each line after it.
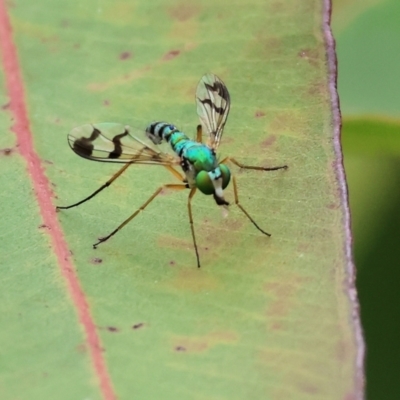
x,y
191,194
235,191
199,134
112,179
108,183
240,165
174,186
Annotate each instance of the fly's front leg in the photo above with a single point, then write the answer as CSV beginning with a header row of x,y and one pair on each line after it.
x,y
236,194
240,165
174,186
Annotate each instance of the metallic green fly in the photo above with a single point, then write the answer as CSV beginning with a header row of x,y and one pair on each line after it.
x,y
110,142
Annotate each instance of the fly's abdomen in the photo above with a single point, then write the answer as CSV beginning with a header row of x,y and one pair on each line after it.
x,y
159,131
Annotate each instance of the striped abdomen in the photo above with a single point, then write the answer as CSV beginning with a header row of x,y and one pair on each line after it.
x,y
159,131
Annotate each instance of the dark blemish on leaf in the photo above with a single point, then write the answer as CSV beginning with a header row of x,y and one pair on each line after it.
x,y
171,55
96,260
106,103
269,141
125,55
172,263
7,151
43,226
48,162
5,106
112,329
138,326
180,348
259,114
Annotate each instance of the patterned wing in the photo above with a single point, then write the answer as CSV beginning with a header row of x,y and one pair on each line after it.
x,y
111,142
213,104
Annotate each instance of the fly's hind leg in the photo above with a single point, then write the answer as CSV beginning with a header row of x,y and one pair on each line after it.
x,y
108,183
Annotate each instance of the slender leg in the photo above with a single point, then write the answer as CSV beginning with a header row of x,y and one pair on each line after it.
x,y
108,183
240,165
191,194
112,179
199,136
174,186
235,191
174,172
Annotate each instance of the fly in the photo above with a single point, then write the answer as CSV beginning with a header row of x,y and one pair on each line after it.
x,y
112,142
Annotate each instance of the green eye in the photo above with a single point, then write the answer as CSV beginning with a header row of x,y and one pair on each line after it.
x,y
203,183
226,175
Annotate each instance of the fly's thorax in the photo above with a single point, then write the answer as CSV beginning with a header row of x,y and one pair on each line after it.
x,y
201,157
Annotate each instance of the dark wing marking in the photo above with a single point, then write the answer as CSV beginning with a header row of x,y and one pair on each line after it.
x,y
110,142
213,104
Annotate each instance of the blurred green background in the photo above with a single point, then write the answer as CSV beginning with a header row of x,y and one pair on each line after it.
x,y
367,34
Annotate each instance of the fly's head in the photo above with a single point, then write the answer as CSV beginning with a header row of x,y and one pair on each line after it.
x,y
214,182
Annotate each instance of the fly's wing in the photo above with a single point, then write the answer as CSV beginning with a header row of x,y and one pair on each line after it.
x,y
213,104
111,142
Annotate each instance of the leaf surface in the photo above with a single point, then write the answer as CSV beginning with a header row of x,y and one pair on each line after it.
x,y
264,317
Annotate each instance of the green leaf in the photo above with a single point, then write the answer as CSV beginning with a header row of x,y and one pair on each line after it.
x,y
264,317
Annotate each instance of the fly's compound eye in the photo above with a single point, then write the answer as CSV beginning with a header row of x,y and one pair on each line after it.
x,y
226,175
203,183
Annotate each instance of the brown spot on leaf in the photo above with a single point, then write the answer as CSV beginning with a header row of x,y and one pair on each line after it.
x,y
269,141
192,280
7,151
184,11
259,114
283,292
180,348
138,326
106,103
171,55
5,106
112,329
125,55
96,260
198,344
